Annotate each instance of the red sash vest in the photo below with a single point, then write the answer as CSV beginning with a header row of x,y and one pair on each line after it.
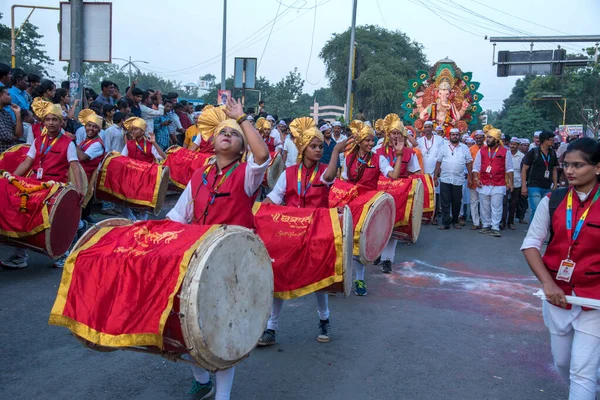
x,y
390,154
231,204
370,177
140,155
585,280
270,142
498,175
89,166
54,163
316,196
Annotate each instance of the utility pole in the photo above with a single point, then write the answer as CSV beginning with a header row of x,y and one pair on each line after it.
x,y
348,116
224,50
14,34
76,56
129,63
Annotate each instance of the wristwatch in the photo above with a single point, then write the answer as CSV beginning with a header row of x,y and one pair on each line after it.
x,y
241,119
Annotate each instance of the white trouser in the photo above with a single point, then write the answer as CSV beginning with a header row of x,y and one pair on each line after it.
x,y
389,251
474,206
575,343
359,269
223,378
490,207
322,310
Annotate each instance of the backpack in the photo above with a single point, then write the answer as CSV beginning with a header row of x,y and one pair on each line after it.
x,y
555,198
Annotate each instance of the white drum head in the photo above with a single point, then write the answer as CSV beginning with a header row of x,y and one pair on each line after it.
x,y
226,297
347,245
377,228
417,210
84,180
274,171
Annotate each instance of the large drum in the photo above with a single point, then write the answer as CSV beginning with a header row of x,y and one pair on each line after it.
x,y
87,189
428,197
132,183
410,230
205,291
183,163
373,215
276,168
311,248
49,223
13,157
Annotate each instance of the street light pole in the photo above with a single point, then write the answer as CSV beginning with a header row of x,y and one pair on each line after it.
x,y
129,63
76,53
224,50
351,63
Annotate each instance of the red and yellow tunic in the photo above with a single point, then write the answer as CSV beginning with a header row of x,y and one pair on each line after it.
x,y
313,192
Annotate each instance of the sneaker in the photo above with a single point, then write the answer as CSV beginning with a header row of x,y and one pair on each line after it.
x,y
485,230
324,331
60,263
495,233
360,288
15,262
202,391
81,231
267,338
386,267
378,261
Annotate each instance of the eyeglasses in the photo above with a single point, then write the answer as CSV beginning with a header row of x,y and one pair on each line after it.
x,y
575,165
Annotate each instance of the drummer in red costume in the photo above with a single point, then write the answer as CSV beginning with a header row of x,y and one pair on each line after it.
x,y
363,168
49,158
273,143
223,192
395,132
142,147
91,150
305,185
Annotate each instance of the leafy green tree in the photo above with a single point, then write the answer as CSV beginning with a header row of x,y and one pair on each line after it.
x,y
386,60
522,121
30,53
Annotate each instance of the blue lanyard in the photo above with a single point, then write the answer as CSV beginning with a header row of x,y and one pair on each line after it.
x,y
44,152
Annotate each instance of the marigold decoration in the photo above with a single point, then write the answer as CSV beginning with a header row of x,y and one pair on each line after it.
x,y
27,190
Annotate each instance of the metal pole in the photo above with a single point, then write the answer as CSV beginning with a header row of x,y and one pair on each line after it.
x,y
76,59
564,111
129,71
351,63
224,50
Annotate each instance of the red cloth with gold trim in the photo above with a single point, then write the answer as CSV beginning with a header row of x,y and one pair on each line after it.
x,y
305,244
118,288
402,190
428,191
13,157
136,182
13,222
183,163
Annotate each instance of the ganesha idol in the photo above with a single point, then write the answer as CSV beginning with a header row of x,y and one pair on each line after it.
x,y
444,95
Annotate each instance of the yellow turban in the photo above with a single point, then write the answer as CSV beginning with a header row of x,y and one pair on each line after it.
x,y
42,108
88,115
262,123
135,122
304,130
213,120
379,125
489,130
391,123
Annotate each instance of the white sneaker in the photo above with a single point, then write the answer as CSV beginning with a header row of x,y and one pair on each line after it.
x,y
60,263
15,262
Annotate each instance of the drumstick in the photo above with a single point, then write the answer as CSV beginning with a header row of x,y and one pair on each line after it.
x,y
574,300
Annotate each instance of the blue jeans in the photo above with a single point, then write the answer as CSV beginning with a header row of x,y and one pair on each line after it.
x,y
536,195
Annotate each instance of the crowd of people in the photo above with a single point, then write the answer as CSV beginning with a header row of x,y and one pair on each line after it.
x,y
484,176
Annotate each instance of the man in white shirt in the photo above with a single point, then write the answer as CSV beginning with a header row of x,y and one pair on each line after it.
x,y
148,113
280,131
114,136
338,136
511,200
429,144
524,146
536,140
290,152
449,173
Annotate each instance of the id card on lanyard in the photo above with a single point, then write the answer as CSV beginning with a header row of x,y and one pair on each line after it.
x,y
546,163
567,266
491,156
45,147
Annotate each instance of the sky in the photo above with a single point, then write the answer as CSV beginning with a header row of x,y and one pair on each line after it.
x,y
181,39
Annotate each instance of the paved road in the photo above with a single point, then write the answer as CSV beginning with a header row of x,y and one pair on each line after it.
x,y
455,320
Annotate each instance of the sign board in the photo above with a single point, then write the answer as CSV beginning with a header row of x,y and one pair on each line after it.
x,y
540,62
244,73
223,96
568,130
97,32
203,85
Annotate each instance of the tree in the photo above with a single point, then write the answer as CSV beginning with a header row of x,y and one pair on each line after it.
x,y
30,53
522,121
386,60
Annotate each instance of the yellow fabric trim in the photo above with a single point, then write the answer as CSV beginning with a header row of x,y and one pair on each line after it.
x,y
159,175
409,205
256,207
361,221
12,149
102,185
431,196
105,339
339,270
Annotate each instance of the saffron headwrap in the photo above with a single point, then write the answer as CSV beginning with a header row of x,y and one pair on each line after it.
x,y
489,130
134,122
304,130
213,120
42,108
391,123
262,123
360,131
88,115
379,125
